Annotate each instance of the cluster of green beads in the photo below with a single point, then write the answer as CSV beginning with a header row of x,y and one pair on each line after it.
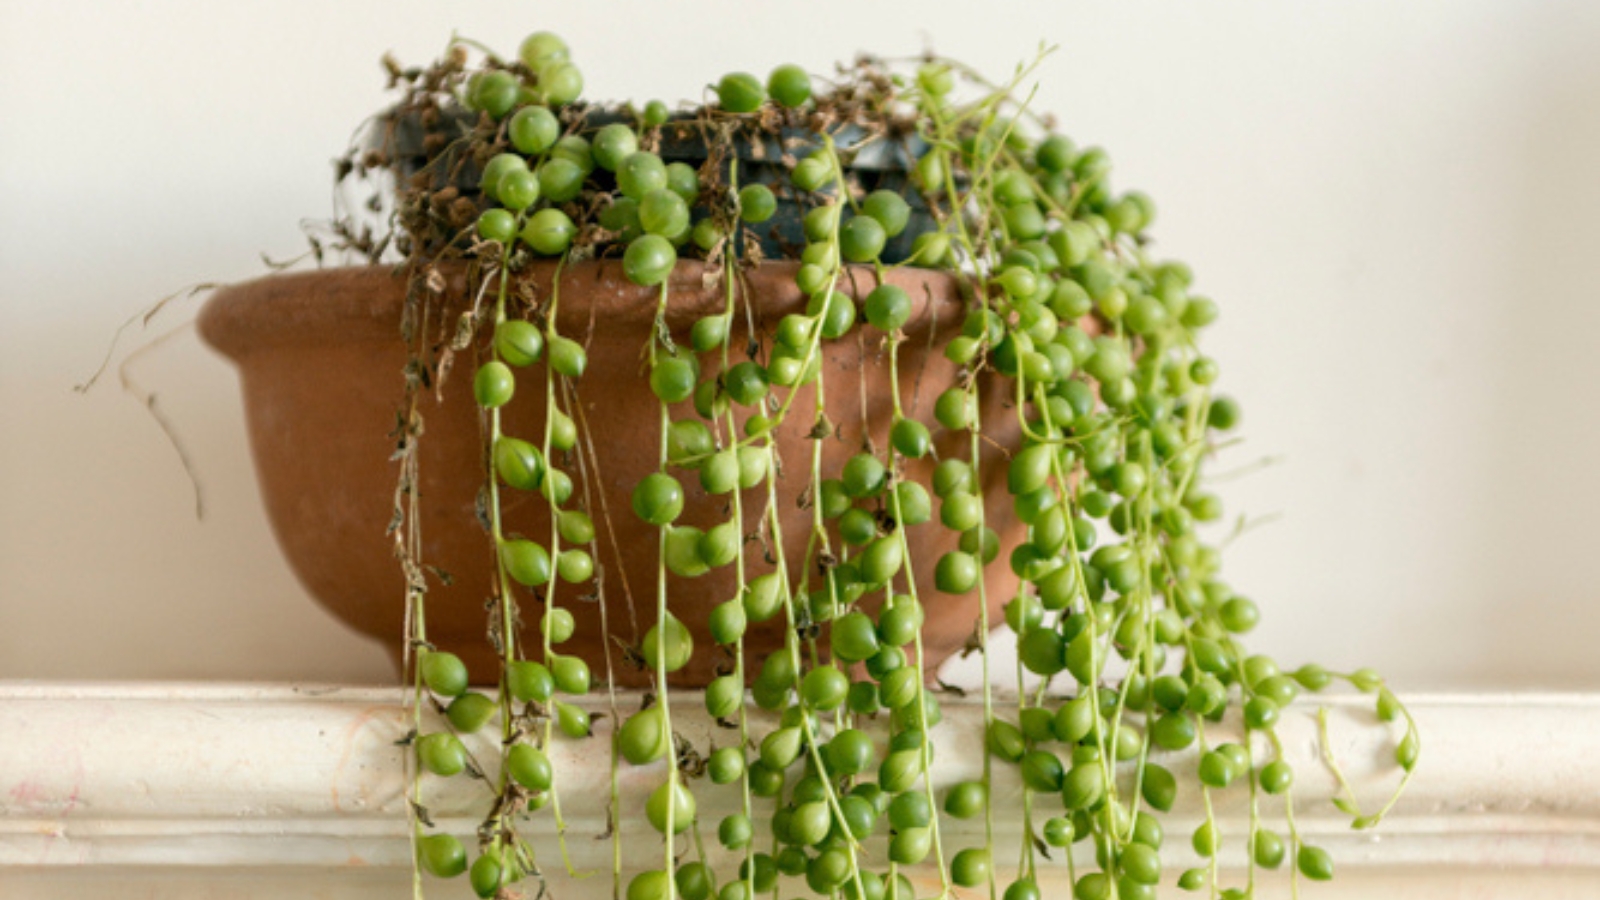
x,y
1127,639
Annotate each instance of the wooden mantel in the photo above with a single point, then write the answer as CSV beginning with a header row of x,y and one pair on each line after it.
x,y
257,791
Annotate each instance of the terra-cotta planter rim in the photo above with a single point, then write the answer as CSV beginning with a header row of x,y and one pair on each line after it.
x,y
339,304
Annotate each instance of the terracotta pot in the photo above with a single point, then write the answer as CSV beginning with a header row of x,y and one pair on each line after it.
x,y
321,360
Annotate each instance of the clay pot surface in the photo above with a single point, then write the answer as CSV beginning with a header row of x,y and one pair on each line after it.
x,y
321,365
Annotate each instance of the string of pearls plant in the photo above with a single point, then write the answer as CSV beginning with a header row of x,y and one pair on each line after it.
x,y
1127,640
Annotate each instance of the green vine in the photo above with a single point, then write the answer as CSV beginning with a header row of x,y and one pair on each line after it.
x,y
1063,384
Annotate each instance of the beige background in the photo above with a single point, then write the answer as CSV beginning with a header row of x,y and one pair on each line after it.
x,y
1397,205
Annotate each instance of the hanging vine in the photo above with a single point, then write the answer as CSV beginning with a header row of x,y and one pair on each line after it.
x,y
1078,401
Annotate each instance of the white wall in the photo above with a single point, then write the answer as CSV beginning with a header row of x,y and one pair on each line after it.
x,y
1397,206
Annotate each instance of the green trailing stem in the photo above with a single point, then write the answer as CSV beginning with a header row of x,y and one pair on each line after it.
x,y
1066,313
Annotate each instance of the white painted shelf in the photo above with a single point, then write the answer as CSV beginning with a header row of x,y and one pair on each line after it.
x,y
268,791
